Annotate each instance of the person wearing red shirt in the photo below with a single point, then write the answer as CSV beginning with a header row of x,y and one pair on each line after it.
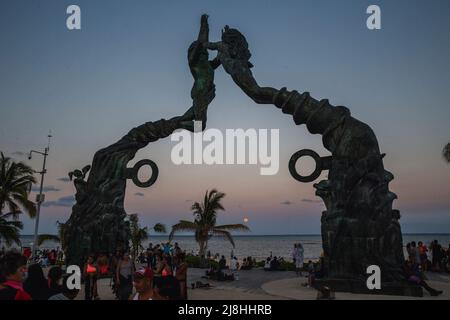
x,y
13,268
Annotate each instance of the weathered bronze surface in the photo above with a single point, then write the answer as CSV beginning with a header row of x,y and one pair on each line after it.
x,y
359,226
97,223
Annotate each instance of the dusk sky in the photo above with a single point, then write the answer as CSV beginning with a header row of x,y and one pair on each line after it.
x,y
128,65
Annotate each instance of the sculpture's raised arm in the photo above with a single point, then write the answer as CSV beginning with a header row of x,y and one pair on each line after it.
x,y
203,90
356,193
234,56
98,223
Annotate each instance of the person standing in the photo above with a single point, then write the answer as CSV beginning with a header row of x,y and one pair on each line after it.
x,y
13,266
222,263
90,272
143,283
36,284
114,262
234,266
54,276
180,272
177,250
298,256
413,253
436,251
124,273
423,256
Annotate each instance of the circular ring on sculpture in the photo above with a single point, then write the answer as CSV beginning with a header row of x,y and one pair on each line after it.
x,y
135,171
303,153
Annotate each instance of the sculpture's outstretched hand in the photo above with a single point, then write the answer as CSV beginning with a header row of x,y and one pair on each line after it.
x,y
234,55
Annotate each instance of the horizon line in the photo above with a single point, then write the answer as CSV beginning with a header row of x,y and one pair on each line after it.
x,y
275,235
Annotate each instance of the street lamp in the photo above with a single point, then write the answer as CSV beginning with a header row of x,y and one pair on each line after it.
x,y
40,197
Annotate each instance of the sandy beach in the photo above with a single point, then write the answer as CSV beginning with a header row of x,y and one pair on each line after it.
x,y
258,284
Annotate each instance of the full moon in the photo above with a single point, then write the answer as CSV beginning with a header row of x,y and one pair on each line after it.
x,y
245,220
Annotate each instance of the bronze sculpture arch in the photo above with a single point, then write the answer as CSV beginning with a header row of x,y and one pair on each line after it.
x,y
359,226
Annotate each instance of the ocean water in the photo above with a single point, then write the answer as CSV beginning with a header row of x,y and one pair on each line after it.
x,y
260,247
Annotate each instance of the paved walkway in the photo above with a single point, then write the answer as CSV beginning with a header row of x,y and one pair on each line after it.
x,y
258,284
292,289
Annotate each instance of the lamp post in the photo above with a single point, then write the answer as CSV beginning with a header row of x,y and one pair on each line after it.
x,y
40,196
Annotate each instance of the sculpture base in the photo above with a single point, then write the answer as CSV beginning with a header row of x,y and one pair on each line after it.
x,y
356,286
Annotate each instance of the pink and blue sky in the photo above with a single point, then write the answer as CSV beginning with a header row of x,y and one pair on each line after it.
x,y
128,65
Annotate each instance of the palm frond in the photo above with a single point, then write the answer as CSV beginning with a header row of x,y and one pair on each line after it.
x,y
446,153
10,215
15,180
234,227
183,225
224,234
160,228
27,205
10,231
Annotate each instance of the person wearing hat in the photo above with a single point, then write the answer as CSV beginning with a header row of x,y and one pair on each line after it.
x,y
143,283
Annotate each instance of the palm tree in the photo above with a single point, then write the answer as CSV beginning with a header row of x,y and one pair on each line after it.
x,y
204,225
138,234
16,179
10,228
446,152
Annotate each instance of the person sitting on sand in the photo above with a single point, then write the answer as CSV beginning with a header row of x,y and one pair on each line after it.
x,y
245,264
275,264
413,275
316,271
267,264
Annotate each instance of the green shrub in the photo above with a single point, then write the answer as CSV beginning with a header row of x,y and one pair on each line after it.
x,y
260,264
196,262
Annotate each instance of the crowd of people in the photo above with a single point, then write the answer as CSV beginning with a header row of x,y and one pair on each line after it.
x,y
421,258
433,258
163,265
224,271
18,281
159,273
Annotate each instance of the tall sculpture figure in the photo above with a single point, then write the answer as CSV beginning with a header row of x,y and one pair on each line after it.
x,y
98,221
359,227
